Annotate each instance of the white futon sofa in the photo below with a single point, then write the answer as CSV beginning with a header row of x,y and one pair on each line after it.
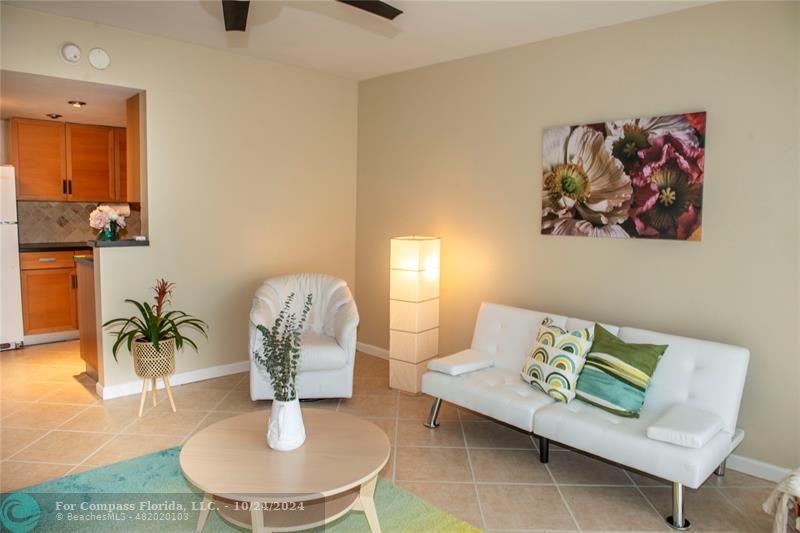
x,y
687,425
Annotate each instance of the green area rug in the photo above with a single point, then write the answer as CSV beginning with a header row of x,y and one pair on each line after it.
x,y
98,500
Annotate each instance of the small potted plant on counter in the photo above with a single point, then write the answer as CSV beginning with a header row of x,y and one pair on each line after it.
x,y
108,221
280,356
153,336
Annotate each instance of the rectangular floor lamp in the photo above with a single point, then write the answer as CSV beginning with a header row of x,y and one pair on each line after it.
x,y
413,309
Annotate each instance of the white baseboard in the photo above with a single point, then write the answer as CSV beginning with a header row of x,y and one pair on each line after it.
x,y
135,387
756,468
45,338
370,349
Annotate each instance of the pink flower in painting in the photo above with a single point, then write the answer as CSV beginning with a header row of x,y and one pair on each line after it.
x,y
98,219
668,148
667,189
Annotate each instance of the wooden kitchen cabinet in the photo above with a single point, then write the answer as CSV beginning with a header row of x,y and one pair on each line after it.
x,y
38,152
78,162
134,144
48,301
87,313
49,292
121,164
91,164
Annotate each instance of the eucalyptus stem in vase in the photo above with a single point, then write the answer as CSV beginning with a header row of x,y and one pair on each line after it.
x,y
280,356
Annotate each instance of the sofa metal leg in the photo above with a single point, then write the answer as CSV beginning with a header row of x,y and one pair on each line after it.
x,y
720,471
678,520
432,419
544,449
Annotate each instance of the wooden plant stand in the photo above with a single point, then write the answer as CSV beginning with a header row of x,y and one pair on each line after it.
x,y
165,379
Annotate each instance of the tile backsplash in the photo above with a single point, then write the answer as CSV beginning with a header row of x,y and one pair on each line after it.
x,y
65,222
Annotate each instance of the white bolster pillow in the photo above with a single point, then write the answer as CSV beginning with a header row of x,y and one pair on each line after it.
x,y
461,363
687,426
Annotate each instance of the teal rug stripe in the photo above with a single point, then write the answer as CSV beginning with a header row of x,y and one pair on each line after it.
x,y
157,477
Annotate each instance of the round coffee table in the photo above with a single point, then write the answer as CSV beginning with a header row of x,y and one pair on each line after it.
x,y
255,487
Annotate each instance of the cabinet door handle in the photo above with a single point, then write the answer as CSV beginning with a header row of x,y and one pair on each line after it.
x,y
64,186
47,259
69,187
74,281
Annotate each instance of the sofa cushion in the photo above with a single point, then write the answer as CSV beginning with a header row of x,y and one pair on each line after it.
x,y
507,333
624,441
686,425
495,392
705,374
461,363
320,352
616,373
575,323
556,359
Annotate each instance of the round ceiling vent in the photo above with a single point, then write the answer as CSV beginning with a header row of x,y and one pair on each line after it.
x,y
99,58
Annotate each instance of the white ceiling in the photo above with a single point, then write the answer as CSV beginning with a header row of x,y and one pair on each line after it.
x,y
332,37
33,96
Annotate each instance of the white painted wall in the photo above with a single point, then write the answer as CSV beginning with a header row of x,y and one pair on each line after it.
x,y
455,150
251,173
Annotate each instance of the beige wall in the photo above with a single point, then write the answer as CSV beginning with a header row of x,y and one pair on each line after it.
x,y
455,150
251,172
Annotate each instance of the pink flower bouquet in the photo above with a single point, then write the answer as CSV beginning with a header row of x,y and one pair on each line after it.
x,y
108,221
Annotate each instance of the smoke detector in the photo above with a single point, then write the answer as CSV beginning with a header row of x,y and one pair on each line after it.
x,y
70,53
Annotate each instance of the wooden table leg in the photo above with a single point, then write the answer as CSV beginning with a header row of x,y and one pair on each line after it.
x,y
144,396
201,520
165,379
154,393
368,504
257,519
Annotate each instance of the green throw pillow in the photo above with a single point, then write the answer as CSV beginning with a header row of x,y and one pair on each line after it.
x,y
616,374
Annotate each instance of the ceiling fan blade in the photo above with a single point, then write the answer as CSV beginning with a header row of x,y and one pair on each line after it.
x,y
376,7
235,14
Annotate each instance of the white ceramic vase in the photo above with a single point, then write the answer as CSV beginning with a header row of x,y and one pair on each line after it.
x,y
286,430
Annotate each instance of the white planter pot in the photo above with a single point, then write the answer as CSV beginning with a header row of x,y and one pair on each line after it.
x,y
286,430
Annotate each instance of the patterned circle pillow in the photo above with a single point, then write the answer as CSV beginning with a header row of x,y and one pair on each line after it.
x,y
556,360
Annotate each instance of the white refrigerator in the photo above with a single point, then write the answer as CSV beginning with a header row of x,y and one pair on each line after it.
x,y
10,293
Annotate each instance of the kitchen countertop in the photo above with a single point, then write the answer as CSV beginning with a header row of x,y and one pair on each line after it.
x,y
52,246
117,244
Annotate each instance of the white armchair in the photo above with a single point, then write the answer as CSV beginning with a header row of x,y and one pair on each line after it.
x,y
328,351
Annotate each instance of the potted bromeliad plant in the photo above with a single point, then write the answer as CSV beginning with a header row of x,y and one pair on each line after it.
x,y
280,356
153,336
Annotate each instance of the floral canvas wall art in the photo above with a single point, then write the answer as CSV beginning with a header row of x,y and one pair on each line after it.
x,y
640,178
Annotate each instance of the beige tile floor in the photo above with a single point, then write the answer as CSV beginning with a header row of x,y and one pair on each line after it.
x,y
52,424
